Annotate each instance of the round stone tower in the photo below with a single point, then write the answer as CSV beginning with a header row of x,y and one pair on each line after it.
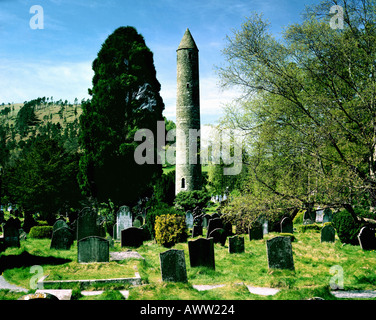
x,y
188,166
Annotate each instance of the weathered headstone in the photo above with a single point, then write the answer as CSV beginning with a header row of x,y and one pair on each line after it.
x,y
205,220
265,224
236,244
328,215
114,231
227,226
287,225
215,215
59,224
138,221
196,231
214,224
319,216
328,234
93,249
255,231
123,220
197,221
307,217
173,268
132,237
367,238
11,233
279,251
201,253
219,236
87,224
62,239
189,219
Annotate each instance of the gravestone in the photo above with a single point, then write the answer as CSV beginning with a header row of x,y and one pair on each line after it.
x,y
287,225
255,231
328,234
196,231
189,219
201,253
214,224
367,238
215,215
236,244
264,224
307,218
227,226
93,249
114,232
11,233
219,236
62,239
173,267
319,216
328,215
59,224
86,224
197,221
132,237
123,220
279,251
138,221
205,220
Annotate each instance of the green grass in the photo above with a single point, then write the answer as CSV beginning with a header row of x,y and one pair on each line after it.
x,y
311,277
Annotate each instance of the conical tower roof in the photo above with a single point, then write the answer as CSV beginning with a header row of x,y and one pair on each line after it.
x,y
187,42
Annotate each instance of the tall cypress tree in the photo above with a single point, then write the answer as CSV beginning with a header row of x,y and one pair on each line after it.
x,y
125,98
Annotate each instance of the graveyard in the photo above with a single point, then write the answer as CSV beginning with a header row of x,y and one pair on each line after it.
x,y
169,182
243,274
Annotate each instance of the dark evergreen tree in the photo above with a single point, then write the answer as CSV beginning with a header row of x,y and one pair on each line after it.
x,y
125,98
43,178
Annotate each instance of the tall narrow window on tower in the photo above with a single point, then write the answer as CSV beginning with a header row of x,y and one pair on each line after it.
x,y
188,172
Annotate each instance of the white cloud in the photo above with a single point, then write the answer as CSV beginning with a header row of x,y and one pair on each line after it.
x,y
22,81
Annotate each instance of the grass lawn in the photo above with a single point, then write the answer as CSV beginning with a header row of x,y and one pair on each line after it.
x,y
312,259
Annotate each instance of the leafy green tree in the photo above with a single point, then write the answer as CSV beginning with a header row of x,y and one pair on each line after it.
x,y
308,106
43,178
125,98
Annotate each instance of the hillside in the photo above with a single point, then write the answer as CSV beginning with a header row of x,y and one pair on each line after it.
x,y
54,112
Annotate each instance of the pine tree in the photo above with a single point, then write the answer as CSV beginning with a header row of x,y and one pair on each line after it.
x,y
125,98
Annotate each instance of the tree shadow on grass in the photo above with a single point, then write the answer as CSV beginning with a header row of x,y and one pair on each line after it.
x,y
26,259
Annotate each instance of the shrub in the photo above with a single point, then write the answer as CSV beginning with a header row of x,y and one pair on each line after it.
x,y
161,209
42,223
313,226
170,229
188,200
40,232
346,228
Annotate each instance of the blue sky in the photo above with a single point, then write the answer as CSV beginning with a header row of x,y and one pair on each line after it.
x,y
56,60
